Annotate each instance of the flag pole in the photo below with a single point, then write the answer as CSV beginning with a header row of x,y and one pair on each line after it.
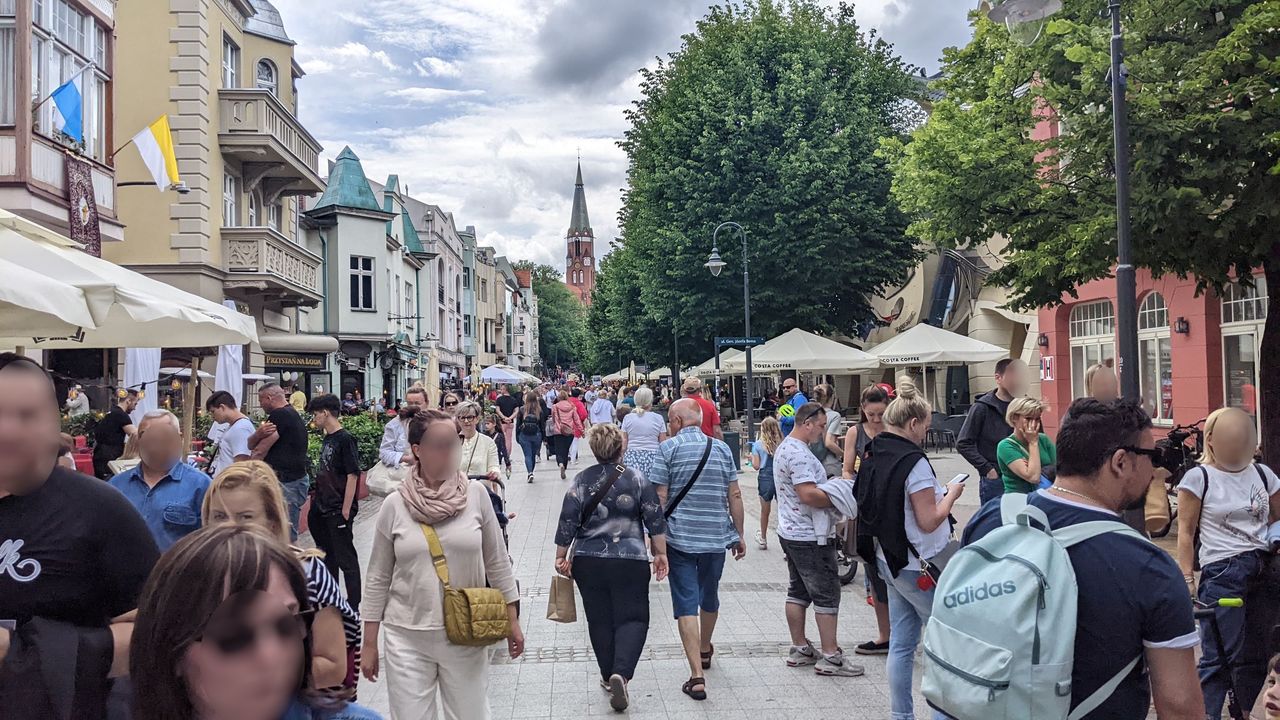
x,y
75,77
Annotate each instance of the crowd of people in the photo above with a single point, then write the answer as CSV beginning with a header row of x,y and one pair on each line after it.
x,y
171,592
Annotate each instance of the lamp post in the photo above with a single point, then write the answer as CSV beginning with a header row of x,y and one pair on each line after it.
x,y
716,265
1032,13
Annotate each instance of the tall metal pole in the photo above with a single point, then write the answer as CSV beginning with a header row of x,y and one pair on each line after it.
x,y
746,322
1126,282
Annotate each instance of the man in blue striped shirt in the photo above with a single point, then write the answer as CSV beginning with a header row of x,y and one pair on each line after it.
x,y
707,521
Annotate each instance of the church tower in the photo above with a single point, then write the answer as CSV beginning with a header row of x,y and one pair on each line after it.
x,y
580,260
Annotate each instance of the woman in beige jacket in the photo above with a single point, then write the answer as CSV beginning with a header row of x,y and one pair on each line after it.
x,y
403,596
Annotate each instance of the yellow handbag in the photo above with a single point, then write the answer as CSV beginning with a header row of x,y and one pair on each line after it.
x,y
473,617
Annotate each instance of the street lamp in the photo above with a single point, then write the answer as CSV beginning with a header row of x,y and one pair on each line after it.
x,y
1021,14
715,265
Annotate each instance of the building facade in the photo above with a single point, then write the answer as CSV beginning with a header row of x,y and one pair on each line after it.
x,y
580,256
42,45
224,73
488,303
525,335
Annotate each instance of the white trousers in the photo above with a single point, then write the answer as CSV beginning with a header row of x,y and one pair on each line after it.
x,y
425,671
573,450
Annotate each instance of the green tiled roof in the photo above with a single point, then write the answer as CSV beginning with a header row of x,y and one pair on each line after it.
x,y
348,187
411,239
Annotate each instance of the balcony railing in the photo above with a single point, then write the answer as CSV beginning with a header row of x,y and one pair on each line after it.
x,y
261,260
255,124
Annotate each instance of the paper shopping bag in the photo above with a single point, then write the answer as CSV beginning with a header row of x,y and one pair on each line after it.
x,y
561,605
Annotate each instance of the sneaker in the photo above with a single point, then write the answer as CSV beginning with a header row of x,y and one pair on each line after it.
x,y
835,666
801,656
530,477
761,542
618,699
871,647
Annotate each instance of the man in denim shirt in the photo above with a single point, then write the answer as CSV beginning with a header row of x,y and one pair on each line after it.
x,y
167,492
706,522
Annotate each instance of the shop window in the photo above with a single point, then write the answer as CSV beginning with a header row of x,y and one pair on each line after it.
x,y
1155,358
1092,327
1244,313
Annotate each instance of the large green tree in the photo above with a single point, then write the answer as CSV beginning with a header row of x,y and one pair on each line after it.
x,y
560,316
1205,127
770,115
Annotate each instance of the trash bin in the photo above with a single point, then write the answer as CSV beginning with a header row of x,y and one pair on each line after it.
x,y
734,441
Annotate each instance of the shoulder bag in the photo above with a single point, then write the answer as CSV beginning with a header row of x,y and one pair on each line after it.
x,y
473,617
561,605
706,453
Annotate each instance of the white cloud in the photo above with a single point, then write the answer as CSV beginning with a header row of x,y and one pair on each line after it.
x,y
430,95
436,67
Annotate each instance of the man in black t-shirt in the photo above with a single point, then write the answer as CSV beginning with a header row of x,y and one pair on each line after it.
x,y
281,441
74,555
112,431
333,503
508,403
1133,602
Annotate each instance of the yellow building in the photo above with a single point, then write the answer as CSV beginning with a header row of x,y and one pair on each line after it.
x,y
224,73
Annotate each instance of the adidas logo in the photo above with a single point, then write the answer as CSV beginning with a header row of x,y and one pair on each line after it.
x,y
978,593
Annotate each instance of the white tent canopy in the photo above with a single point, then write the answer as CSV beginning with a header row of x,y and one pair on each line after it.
x,y
126,309
929,345
614,376
708,367
505,374
803,351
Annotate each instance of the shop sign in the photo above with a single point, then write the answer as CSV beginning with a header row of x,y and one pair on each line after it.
x,y
295,361
1046,368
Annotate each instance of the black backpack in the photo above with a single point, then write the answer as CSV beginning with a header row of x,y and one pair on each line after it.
x,y
530,424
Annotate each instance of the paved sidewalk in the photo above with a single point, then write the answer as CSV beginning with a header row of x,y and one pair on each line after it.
x,y
557,678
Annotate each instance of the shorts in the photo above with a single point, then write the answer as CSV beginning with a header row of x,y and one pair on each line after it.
x,y
815,578
874,583
695,581
764,484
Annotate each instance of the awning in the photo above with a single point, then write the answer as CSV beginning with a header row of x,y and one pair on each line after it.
x,y
298,343
804,351
928,345
991,306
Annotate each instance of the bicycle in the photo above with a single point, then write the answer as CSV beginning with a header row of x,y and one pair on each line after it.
x,y
1205,611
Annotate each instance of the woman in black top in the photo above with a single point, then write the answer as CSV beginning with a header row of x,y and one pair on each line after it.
x,y
531,422
873,403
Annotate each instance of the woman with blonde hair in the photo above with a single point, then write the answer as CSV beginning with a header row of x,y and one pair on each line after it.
x,y
1231,502
644,431
248,492
762,451
1027,458
479,457
906,513
828,450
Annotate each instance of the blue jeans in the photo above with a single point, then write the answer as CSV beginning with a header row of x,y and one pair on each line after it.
x,y
695,581
1230,578
529,444
909,610
295,496
988,489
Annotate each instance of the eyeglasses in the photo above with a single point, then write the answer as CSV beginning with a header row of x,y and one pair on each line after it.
x,y
788,387
467,417
233,638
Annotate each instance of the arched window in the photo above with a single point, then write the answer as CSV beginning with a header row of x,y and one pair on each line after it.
x,y
1244,313
1092,328
267,77
1155,358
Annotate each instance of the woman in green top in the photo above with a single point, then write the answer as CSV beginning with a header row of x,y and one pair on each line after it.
x,y
1027,457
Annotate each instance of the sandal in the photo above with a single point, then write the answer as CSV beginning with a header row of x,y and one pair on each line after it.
x,y
706,657
694,682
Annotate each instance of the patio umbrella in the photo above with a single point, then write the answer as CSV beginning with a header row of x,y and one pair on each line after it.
x,y
184,373
803,351
40,305
433,379
231,367
927,345
708,367
505,374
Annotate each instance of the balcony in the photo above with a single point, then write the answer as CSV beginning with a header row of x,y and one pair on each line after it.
x,y
276,153
261,261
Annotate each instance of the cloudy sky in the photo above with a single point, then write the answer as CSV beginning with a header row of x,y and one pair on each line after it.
x,y
482,105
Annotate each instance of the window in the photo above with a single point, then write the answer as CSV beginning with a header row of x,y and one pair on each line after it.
x,y
361,283
267,77
1244,313
466,278
408,304
466,325
230,200
230,63
66,44
587,261
1155,358
484,290
275,215
1092,328
255,209
7,72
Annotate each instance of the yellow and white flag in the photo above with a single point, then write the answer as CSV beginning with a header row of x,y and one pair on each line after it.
x,y
155,144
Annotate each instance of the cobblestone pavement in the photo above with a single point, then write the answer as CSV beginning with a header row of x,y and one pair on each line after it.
x,y
557,677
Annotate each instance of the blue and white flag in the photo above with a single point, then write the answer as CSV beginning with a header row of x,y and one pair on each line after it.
x,y
67,99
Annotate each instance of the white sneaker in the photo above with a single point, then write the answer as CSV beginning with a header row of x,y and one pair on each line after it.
x,y
800,656
836,666
760,541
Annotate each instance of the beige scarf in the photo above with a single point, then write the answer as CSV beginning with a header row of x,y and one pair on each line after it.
x,y
434,506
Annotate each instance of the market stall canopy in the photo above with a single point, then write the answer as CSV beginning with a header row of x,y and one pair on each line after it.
x,y
506,374
928,345
611,377
659,373
709,367
183,373
803,351
127,309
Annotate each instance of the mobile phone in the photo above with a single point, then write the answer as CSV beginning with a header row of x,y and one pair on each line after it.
x,y
959,479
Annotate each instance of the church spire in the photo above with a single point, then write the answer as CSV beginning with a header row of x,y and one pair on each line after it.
x,y
580,255
579,223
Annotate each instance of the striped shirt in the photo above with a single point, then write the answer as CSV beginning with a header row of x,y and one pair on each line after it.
x,y
323,592
701,523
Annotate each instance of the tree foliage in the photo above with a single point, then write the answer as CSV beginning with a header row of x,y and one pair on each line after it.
x,y
560,315
769,115
1204,119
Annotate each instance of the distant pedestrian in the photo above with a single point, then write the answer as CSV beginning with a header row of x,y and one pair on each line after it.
x,y
566,425
393,452
531,421
793,398
602,410
985,426
508,403
333,504
872,404
697,483
645,430
237,428
77,402
607,512
827,448
112,431
297,399
575,397
691,388
762,451
166,491
281,442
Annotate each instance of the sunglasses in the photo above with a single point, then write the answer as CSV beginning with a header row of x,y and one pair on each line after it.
x,y
233,638
450,404
1154,453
